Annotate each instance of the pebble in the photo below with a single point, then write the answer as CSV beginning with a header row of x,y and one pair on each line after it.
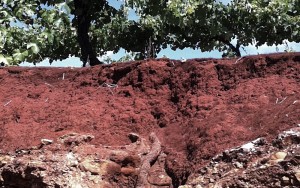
x,y
46,141
185,186
238,165
279,155
285,179
297,175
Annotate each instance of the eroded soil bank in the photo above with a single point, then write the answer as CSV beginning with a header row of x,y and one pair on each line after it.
x,y
196,109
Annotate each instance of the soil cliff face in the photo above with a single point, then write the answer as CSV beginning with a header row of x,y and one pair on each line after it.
x,y
154,123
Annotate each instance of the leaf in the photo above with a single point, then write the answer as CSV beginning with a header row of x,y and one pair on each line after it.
x,y
57,22
3,60
64,7
18,56
295,33
50,37
34,48
4,13
25,53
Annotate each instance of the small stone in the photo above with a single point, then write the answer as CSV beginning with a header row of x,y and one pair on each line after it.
x,y
277,184
95,179
4,160
102,167
248,147
43,174
46,141
159,178
277,157
71,159
37,164
285,179
280,155
195,179
238,165
90,166
297,175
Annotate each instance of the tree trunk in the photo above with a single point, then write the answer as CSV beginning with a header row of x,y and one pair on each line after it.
x,y
235,49
83,25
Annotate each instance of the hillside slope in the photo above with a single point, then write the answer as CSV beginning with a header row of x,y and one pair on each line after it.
x,y
197,109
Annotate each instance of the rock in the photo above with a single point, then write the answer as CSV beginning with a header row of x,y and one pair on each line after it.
x,y
157,174
125,159
248,147
297,175
277,157
97,182
71,159
159,178
282,153
285,179
287,138
46,141
195,179
185,186
82,166
91,166
5,159
118,156
102,167
238,165
74,139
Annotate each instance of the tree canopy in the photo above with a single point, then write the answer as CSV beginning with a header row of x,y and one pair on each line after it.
x,y
34,30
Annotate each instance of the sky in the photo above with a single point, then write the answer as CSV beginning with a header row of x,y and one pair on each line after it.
x,y
186,53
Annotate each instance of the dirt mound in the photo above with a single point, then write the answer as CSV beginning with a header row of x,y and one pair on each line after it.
x,y
197,108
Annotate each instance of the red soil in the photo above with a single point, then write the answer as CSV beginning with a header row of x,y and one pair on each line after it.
x,y
197,108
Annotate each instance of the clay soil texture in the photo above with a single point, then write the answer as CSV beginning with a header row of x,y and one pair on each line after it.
x,y
196,109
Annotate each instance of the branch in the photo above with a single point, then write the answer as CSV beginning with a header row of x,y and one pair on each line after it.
x,y
235,49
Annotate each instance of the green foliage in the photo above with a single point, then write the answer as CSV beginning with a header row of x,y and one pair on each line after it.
x,y
208,25
34,30
127,57
31,32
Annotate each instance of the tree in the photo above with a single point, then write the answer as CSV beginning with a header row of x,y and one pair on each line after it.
x,y
87,11
209,25
30,32
33,30
262,21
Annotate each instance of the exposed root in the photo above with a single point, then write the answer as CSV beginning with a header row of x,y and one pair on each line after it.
x,y
148,159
